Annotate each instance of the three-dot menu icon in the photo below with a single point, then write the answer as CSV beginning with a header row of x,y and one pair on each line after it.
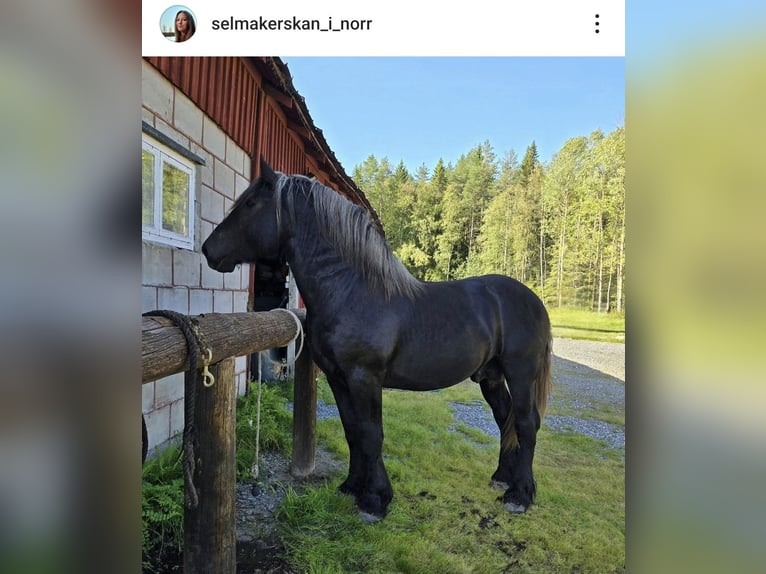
x,y
597,30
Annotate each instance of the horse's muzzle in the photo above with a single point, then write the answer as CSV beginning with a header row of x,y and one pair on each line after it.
x,y
222,264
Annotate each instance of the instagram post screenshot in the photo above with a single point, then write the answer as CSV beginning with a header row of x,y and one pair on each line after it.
x,y
378,301
422,215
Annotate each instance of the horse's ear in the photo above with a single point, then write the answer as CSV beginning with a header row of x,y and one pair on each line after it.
x,y
267,174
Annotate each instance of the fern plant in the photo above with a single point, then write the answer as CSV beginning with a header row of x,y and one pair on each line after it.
x,y
162,513
162,502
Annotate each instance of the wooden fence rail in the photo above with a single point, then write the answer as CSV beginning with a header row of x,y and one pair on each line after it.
x,y
210,529
163,345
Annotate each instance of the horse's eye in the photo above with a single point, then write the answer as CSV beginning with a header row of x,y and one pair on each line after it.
x,y
250,202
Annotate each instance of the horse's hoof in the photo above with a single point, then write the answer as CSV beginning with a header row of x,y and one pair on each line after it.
x,y
348,487
514,508
498,485
368,518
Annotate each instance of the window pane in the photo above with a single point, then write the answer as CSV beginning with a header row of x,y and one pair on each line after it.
x,y
175,199
147,188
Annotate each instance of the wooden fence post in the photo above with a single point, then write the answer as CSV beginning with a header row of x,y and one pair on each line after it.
x,y
304,415
210,529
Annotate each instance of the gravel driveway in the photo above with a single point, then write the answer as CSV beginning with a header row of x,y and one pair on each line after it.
x,y
587,375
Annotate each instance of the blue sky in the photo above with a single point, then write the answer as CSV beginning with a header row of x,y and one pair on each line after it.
x,y
656,30
421,109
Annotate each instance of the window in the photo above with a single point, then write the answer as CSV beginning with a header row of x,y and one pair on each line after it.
x,y
167,196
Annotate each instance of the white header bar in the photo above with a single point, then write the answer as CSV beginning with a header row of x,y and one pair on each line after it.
x,y
391,28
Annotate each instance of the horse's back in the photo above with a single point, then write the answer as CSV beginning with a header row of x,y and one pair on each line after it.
x,y
494,302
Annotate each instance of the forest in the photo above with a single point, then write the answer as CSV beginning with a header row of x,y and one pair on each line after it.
x,y
557,227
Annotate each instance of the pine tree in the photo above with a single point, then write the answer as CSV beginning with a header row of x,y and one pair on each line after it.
x,y
561,189
526,217
559,228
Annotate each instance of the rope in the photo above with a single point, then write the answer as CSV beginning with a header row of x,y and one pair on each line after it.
x,y
256,459
298,332
195,343
254,470
192,378
144,440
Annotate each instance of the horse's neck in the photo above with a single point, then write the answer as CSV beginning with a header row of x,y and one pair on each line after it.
x,y
323,278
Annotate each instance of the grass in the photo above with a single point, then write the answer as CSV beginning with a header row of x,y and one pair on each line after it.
x,y
573,323
162,476
445,518
594,409
162,512
276,424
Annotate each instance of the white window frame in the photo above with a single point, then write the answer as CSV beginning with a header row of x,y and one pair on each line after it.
x,y
155,232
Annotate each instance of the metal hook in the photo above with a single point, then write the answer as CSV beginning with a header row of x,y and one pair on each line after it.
x,y
208,380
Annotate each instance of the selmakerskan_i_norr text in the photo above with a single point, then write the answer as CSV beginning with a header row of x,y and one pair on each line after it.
x,y
294,23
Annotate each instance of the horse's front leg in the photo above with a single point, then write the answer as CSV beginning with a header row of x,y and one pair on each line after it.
x,y
360,406
355,480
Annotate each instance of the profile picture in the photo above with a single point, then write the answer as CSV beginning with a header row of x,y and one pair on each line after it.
x,y
178,24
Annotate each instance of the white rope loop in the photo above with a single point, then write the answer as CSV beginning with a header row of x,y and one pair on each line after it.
x,y
254,470
298,332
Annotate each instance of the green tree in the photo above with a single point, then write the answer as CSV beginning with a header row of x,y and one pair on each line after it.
x,y
528,166
560,193
584,204
400,189
606,184
559,228
417,252
468,193
374,178
495,238
526,217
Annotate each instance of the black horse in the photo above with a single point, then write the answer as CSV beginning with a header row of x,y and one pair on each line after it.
x,y
371,325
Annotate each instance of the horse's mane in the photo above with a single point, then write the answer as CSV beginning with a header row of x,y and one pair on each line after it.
x,y
348,228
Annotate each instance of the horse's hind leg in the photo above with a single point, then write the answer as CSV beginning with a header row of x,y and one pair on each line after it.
x,y
492,384
516,456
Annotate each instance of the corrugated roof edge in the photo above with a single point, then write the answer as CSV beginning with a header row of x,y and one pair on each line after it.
x,y
282,74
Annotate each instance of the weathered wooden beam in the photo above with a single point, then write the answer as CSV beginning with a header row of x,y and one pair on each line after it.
x,y
164,349
283,99
210,529
299,129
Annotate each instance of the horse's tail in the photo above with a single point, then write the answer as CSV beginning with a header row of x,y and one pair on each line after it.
x,y
510,438
543,385
543,382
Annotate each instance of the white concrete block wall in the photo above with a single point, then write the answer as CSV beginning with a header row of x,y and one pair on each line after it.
x,y
213,138
240,367
223,178
179,279
200,301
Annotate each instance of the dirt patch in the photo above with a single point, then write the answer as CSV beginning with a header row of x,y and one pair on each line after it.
x,y
263,557
259,547
584,371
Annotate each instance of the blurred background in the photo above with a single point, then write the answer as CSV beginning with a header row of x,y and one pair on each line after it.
x,y
696,192
69,286
70,297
